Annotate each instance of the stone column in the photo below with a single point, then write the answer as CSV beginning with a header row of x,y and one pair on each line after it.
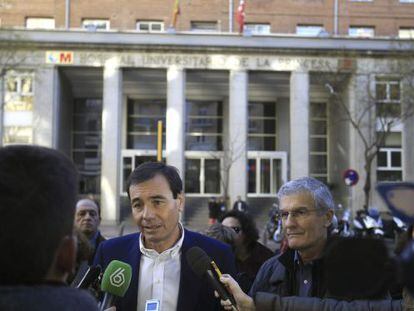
x,y
45,107
111,142
236,147
175,127
299,124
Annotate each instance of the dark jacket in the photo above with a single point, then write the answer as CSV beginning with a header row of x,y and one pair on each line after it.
x,y
45,297
272,302
277,276
99,240
248,268
194,293
243,206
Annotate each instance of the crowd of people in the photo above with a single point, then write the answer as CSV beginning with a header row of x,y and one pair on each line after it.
x,y
49,239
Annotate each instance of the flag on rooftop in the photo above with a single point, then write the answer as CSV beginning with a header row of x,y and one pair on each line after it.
x,y
240,15
176,12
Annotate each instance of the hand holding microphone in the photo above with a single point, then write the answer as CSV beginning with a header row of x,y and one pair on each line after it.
x,y
115,282
244,302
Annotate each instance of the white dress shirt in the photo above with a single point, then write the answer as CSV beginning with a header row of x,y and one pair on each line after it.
x,y
159,275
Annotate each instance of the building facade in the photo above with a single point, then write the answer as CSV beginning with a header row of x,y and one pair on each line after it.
x,y
242,114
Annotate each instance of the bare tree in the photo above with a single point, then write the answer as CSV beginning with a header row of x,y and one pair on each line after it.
x,y
374,119
231,153
12,53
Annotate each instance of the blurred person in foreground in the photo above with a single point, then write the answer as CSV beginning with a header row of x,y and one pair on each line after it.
x,y
87,221
157,254
250,254
83,253
37,204
306,209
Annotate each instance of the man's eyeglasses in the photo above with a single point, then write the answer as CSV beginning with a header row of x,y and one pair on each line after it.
x,y
236,229
301,213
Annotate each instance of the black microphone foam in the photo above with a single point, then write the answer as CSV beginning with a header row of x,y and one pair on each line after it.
x,y
201,265
198,260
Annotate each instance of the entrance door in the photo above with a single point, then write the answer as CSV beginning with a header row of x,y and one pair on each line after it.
x,y
267,171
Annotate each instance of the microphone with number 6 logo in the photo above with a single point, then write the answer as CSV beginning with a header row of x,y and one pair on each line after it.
x,y
115,282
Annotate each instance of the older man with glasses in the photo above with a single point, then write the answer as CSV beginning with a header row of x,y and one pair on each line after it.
x,y
306,210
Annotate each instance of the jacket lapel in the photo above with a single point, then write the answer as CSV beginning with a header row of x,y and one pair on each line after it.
x,y
189,283
133,257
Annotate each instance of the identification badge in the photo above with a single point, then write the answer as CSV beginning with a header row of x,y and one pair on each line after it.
x,y
152,305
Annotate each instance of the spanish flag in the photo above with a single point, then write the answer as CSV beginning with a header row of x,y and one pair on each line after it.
x,y
176,12
240,15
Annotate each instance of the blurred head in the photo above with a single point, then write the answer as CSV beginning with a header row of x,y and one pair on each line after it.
x,y
155,191
243,225
306,208
87,217
357,268
37,203
374,213
222,233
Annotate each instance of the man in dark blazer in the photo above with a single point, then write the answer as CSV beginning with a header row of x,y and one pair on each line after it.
x,y
158,254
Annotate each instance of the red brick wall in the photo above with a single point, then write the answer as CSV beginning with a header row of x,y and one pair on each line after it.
x,y
385,15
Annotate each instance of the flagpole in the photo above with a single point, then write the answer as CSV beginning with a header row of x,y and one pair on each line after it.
x,y
230,15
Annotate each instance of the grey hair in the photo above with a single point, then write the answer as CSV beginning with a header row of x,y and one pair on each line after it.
x,y
222,233
320,193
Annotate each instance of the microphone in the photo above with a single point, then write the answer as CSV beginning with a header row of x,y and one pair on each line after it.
x,y
90,276
115,282
202,265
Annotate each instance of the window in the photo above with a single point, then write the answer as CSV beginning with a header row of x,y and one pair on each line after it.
x,y
406,1
143,117
264,174
18,108
406,33
387,94
95,24
86,143
318,143
40,23
361,31
262,126
389,165
257,29
204,125
132,159
202,176
309,30
204,26
150,26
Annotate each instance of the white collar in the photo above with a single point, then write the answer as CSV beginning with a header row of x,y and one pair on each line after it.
x,y
168,253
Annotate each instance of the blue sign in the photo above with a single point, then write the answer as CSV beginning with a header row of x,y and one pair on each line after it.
x,y
351,177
